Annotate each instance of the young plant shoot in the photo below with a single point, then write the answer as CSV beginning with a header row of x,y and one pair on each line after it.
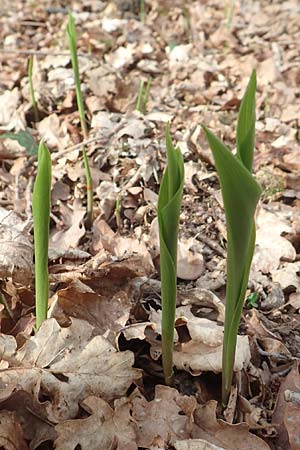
x,y
31,90
71,32
143,96
169,202
41,220
240,193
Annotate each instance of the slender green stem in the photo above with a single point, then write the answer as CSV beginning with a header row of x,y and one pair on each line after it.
x,y
41,220
147,93
71,32
142,11
89,188
139,102
31,90
143,96
230,14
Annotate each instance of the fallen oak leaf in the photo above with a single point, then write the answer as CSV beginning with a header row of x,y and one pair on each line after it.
x,y
169,416
221,433
11,433
16,249
66,365
104,429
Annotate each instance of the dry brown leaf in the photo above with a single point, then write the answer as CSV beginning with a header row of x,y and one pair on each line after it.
x,y
169,416
73,220
105,429
195,444
270,245
67,365
9,102
220,433
11,433
106,313
288,276
287,410
203,352
54,133
16,249
123,247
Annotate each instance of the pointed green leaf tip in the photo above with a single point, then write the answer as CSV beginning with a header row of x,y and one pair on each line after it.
x,y
169,202
245,137
240,194
41,219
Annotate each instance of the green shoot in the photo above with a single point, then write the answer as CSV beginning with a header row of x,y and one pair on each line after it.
x,y
230,10
240,194
169,202
41,219
31,91
252,299
71,32
143,96
142,11
118,212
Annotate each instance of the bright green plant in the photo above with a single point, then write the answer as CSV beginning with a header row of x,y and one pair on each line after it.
x,y
71,32
31,90
41,220
240,195
143,96
169,202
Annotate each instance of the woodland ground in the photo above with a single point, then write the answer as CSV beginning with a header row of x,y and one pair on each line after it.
x,y
91,378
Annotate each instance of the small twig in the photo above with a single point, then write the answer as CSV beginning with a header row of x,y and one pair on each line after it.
x,y
210,243
39,53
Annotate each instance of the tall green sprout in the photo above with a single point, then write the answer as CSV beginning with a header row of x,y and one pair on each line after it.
x,y
169,202
71,32
143,96
41,219
31,90
240,195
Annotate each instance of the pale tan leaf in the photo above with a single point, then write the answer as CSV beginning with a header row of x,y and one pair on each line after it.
x,y
106,428
11,433
16,249
168,416
67,365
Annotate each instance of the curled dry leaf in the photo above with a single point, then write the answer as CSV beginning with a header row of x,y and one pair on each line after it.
x,y
203,352
169,416
223,434
73,220
16,250
123,247
67,365
106,313
54,133
11,433
104,429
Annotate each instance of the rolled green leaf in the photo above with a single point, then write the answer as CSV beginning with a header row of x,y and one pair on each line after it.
x,y
41,219
240,194
169,202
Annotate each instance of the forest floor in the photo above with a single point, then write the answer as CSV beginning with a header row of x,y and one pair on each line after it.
x,y
91,377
